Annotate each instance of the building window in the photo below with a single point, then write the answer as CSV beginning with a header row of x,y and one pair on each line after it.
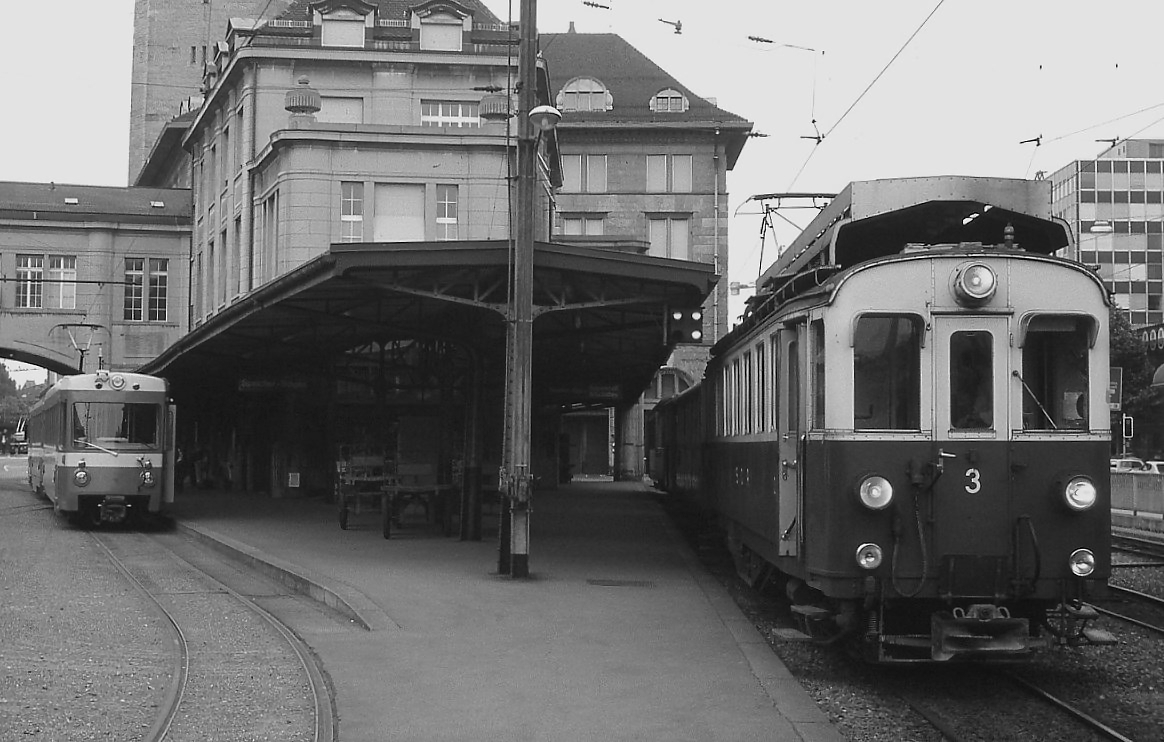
x,y
670,238
584,173
446,218
669,101
583,225
29,288
343,32
147,289
669,173
584,94
441,32
399,213
340,110
62,287
449,113
351,212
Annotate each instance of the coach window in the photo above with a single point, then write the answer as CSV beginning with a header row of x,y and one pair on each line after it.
x,y
1055,373
818,375
887,372
971,380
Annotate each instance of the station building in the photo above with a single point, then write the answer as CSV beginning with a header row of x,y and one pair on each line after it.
x,y
94,276
351,164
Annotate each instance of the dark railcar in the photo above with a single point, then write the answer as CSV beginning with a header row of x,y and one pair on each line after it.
x,y
911,424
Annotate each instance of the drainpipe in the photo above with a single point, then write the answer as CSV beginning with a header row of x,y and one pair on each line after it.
x,y
247,238
715,158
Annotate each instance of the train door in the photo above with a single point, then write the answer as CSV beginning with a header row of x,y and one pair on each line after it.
x,y
971,427
790,433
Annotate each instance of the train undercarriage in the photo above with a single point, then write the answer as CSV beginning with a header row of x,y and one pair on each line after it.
x,y
885,628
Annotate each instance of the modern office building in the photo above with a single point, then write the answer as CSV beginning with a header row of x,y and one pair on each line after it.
x,y
1115,205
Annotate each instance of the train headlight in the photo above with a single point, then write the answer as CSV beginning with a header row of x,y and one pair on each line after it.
x,y
875,492
1080,494
974,284
1082,562
117,381
81,477
147,477
869,556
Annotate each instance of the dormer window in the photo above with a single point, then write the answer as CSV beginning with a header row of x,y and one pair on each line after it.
x,y
669,101
342,22
584,94
441,32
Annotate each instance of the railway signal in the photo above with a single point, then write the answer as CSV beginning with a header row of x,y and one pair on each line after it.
x,y
685,325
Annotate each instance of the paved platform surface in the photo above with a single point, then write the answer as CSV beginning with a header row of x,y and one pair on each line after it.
x,y
618,634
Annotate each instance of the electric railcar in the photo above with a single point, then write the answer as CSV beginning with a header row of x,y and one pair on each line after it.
x,y
910,426
101,446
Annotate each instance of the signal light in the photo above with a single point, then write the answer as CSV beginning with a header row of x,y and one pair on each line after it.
x,y
685,325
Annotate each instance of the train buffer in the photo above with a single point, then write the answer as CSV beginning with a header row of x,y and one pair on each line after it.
x,y
807,616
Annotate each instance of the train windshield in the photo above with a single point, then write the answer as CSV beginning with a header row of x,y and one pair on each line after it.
x,y
887,373
118,426
972,380
1055,373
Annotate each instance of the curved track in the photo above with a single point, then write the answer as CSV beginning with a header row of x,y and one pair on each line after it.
x,y
239,672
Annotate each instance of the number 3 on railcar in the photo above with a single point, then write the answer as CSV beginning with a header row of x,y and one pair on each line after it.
x,y
101,446
911,424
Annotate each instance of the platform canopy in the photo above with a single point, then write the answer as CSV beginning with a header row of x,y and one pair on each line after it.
x,y
598,330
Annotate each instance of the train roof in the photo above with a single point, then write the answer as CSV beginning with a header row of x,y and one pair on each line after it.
x,y
874,218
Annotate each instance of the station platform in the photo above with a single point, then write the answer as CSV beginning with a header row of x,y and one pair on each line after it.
x,y
618,634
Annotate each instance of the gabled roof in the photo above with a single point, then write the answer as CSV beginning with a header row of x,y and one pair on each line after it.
x,y
395,10
63,202
633,80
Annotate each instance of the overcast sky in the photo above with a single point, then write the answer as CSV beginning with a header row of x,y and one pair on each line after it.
x,y
896,88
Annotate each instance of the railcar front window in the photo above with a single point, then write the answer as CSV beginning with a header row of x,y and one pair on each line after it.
x,y
971,381
1055,377
887,373
129,426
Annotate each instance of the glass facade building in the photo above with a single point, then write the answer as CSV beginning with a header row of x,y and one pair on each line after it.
x,y
1115,206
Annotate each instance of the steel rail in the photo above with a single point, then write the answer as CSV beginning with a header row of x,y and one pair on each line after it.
x,y
177,685
1092,723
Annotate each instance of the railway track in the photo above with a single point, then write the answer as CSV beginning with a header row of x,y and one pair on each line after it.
x,y
956,724
239,672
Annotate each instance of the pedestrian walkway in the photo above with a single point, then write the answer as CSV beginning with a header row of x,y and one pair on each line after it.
x,y
618,634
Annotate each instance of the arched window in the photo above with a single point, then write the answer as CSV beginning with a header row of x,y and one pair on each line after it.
x,y
669,101
584,94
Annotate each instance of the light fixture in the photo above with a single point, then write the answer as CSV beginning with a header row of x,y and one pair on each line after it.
x,y
1101,227
544,118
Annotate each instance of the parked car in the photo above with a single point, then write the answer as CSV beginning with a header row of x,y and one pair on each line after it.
x,y
1154,467
1128,463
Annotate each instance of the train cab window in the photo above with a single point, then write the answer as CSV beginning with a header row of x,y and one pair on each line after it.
x,y
972,380
887,372
1054,376
818,375
115,425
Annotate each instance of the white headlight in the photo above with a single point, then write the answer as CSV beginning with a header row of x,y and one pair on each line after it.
x,y
117,381
1082,562
875,492
81,478
1079,494
869,556
975,284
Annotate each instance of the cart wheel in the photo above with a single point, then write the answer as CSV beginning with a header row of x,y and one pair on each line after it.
x,y
343,518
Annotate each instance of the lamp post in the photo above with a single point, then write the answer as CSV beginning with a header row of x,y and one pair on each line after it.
x,y
531,122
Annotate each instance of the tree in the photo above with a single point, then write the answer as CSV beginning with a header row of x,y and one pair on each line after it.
x,y
1130,352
